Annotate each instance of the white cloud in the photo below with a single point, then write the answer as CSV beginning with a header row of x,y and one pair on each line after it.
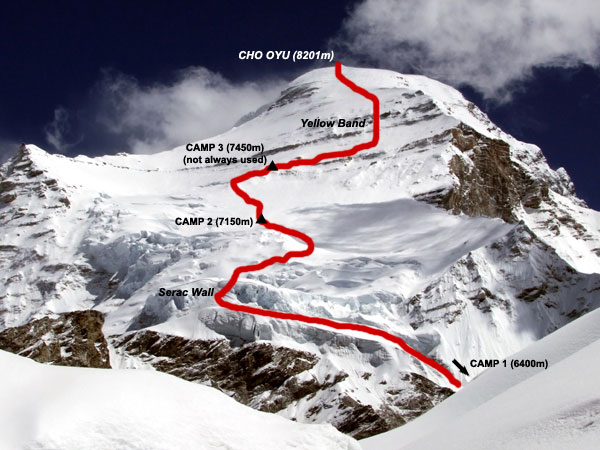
x,y
197,105
58,132
488,44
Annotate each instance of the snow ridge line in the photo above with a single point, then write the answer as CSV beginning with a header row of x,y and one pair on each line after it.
x,y
310,245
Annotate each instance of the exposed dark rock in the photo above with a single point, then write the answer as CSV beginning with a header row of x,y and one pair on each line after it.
x,y
490,183
245,373
292,94
422,145
6,186
24,178
362,421
402,405
486,188
270,378
8,198
423,395
532,293
485,300
70,339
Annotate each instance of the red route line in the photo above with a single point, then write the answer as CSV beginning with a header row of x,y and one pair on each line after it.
x,y
310,245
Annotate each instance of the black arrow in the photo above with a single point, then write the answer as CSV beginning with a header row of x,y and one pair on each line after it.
x,y
272,166
261,219
462,368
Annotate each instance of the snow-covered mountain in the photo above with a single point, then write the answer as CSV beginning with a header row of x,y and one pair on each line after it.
x,y
71,408
528,408
450,233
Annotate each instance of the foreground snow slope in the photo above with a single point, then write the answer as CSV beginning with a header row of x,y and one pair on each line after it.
x,y
49,407
532,408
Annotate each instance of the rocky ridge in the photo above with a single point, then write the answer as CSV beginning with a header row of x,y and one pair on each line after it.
x,y
70,339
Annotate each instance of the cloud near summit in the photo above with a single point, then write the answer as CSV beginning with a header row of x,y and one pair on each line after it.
x,y
487,44
125,114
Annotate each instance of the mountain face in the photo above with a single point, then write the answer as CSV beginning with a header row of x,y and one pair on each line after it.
x,y
450,234
69,339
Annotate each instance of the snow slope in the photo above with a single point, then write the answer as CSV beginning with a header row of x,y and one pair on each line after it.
x,y
50,407
531,408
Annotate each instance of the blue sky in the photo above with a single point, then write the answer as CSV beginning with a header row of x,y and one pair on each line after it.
x,y
95,78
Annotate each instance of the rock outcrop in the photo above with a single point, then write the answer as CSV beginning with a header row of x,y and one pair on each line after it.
x,y
70,339
271,378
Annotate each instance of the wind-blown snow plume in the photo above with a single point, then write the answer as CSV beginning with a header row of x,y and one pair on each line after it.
x,y
486,44
59,131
